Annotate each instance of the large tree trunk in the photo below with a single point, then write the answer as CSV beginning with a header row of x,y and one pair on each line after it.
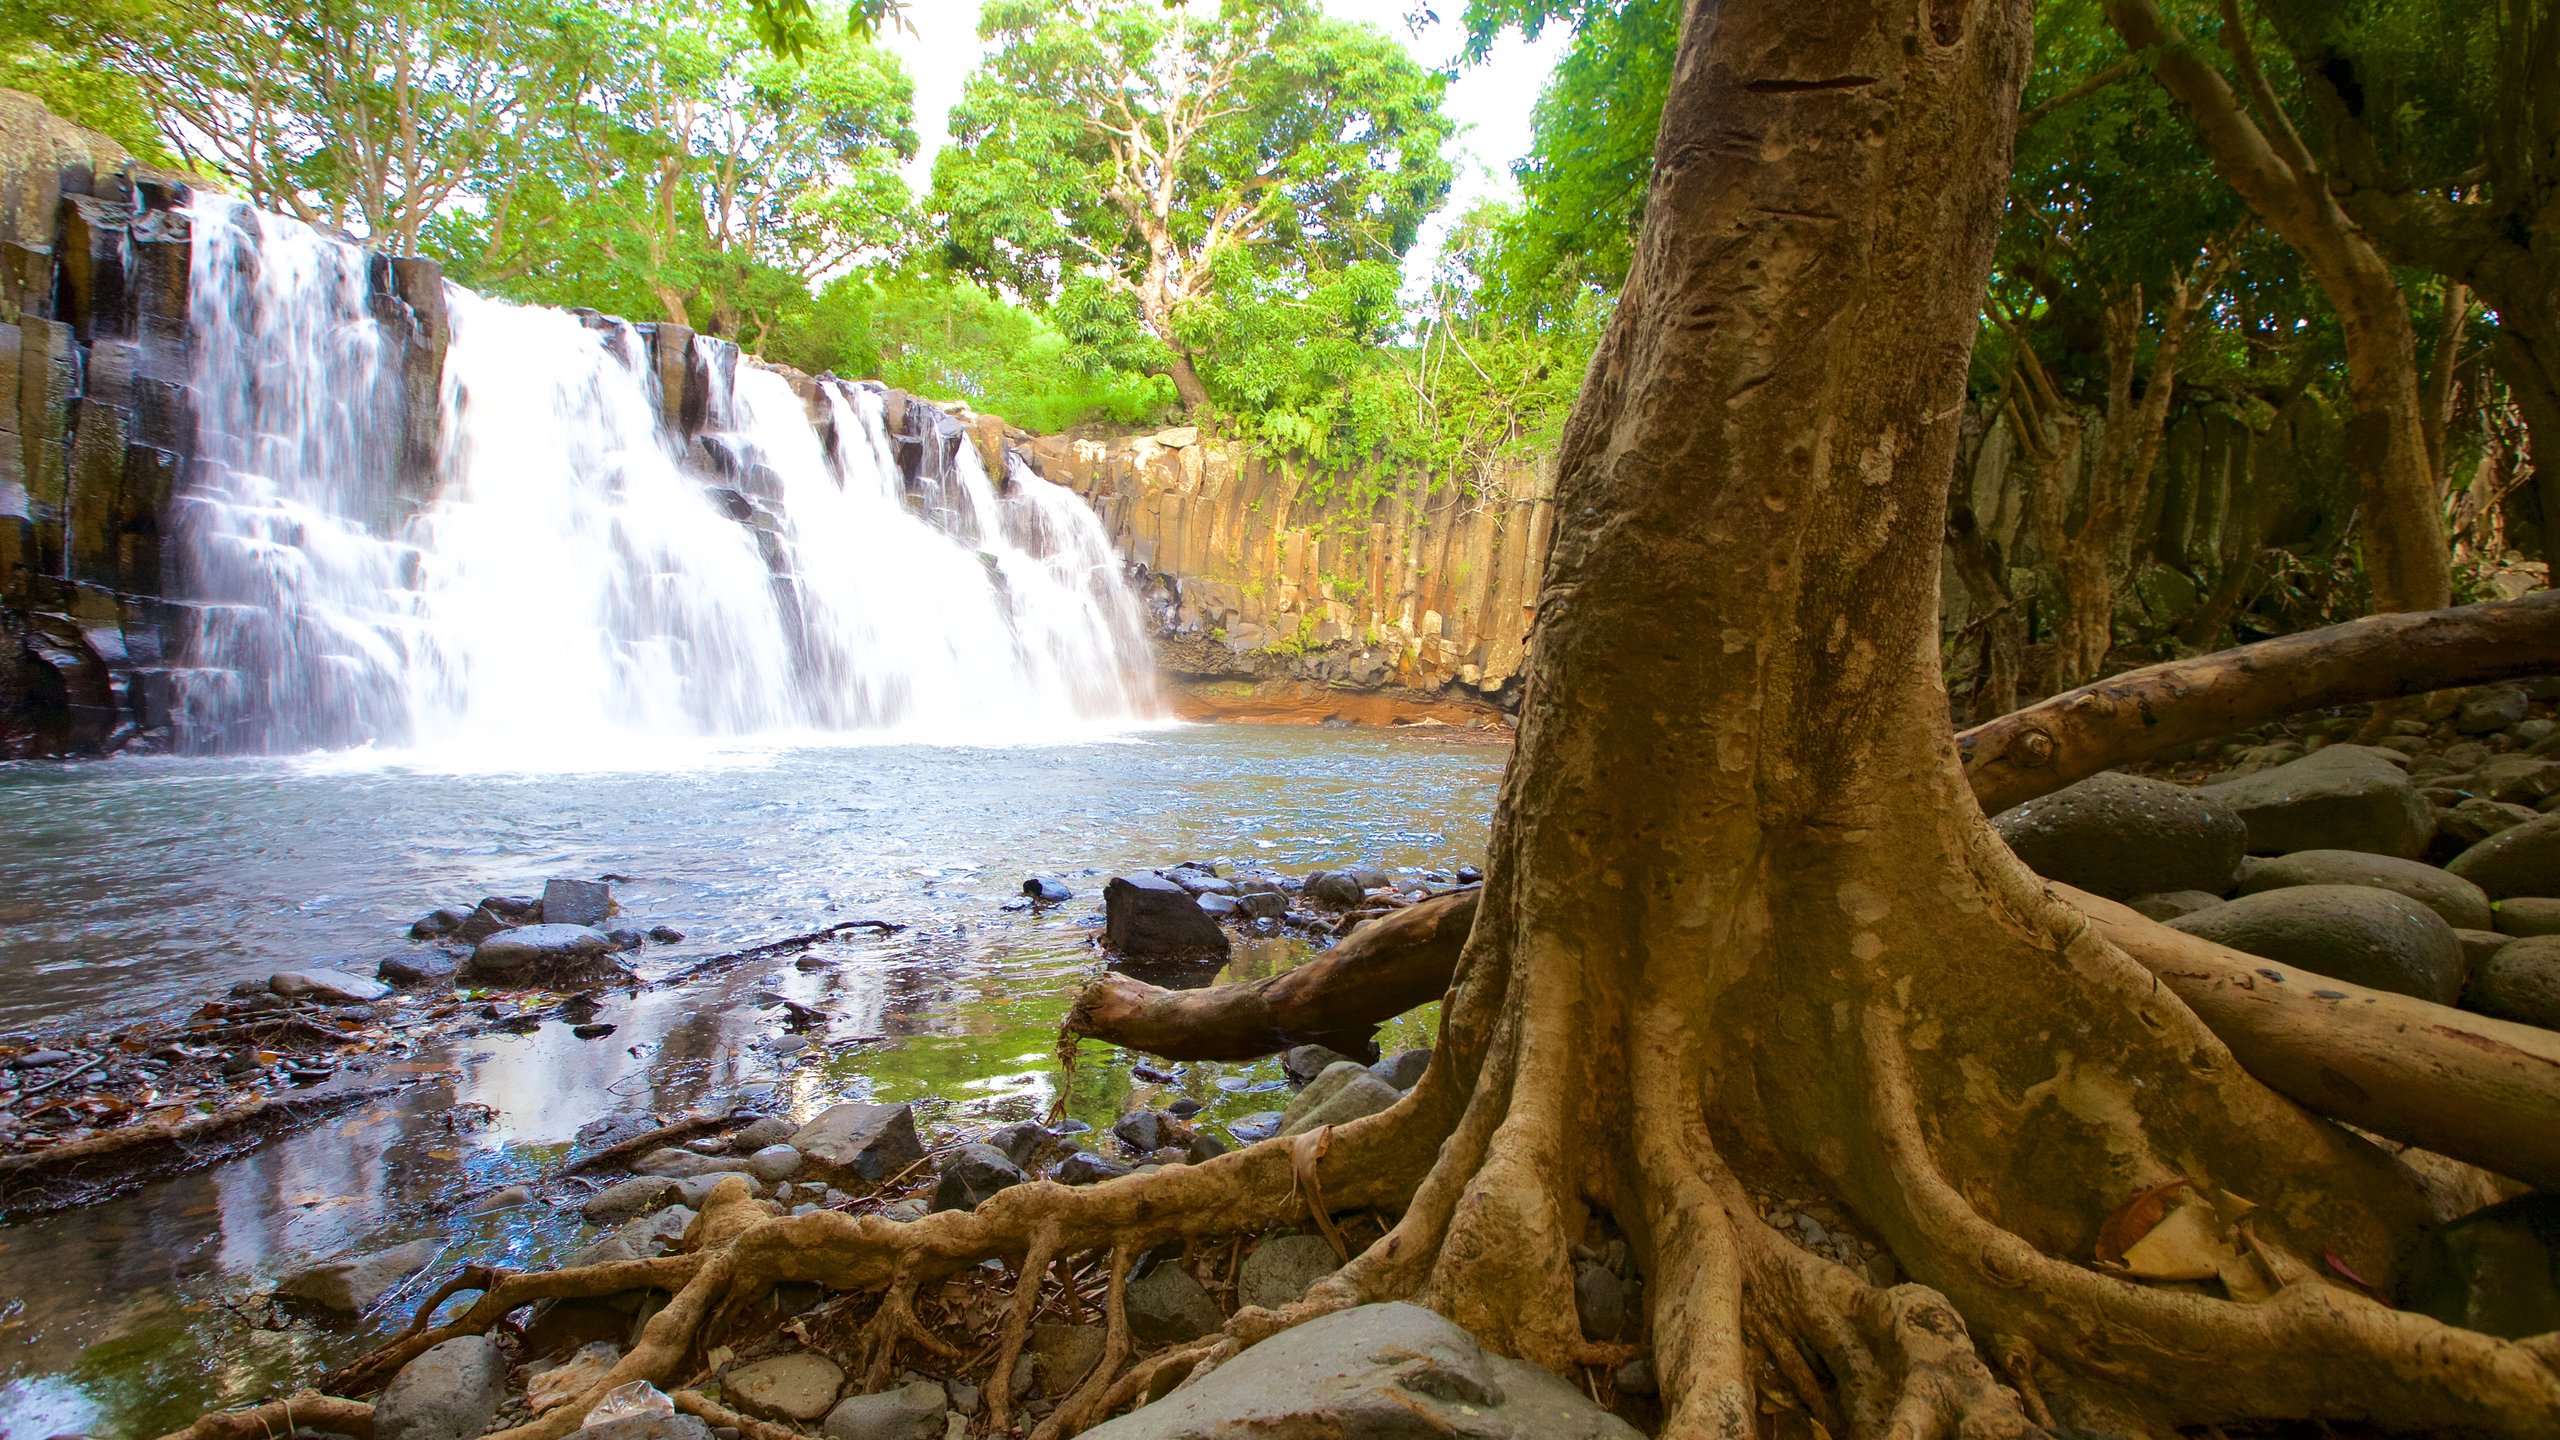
x,y
1186,383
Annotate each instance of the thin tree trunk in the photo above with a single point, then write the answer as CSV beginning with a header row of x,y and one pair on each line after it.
x,y
1186,383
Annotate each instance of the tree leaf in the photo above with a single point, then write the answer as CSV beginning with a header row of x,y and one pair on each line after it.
x,y
2138,1217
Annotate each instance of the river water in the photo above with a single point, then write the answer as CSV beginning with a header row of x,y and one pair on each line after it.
x,y
137,887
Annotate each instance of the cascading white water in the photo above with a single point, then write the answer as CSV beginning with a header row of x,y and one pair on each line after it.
x,y
576,580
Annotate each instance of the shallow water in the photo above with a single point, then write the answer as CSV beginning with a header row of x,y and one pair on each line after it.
x,y
133,887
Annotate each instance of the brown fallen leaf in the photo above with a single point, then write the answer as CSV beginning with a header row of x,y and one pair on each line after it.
x,y
2138,1217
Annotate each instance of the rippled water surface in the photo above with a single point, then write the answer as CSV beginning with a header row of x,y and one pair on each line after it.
x,y
137,887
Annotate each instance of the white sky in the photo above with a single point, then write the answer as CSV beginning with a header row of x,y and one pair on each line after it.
x,y
1490,102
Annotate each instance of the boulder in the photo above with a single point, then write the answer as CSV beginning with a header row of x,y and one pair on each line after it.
x,y
2345,797
2496,1270
2528,915
1167,1306
2489,709
480,924
972,1173
437,923
1343,1093
1143,1130
913,1411
1147,917
1263,905
2460,902
2521,982
2364,936
1086,1168
576,902
354,1284
1064,1354
2167,905
1403,1069
617,1203
1372,1370
549,956
1047,890
1333,889
514,909
2468,822
794,1386
417,971
2123,835
856,1141
329,987
1281,1269
2521,860
451,1392
1303,1063
2516,780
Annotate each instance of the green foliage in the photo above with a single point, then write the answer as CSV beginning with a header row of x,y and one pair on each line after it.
x,y
101,100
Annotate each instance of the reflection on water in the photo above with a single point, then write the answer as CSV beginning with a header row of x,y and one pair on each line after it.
x,y
133,885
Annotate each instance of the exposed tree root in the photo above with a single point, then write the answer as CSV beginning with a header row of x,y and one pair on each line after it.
x,y
284,1417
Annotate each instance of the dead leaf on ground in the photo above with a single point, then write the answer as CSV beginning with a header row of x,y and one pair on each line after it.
x,y
2139,1216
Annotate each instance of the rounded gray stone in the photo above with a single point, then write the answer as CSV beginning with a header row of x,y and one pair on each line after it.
x,y
1166,1306
449,1393
2528,915
774,1163
1281,1269
2376,938
2462,904
2520,860
795,1386
2345,797
2124,835
2521,983
617,1203
913,1411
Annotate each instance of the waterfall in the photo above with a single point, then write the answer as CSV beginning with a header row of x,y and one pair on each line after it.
x,y
576,573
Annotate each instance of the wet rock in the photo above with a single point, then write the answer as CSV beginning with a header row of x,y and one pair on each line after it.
x,y
626,940
2521,860
646,1238
576,902
856,1141
436,924
774,1163
1403,1069
1252,1129
2363,936
551,956
1333,889
1021,1141
2520,982
676,1164
765,1130
451,1392
2496,1270
1064,1354
2123,835
2460,902
1167,1306
1047,890
972,1173
1343,1093
617,1203
480,924
1204,1147
1218,907
417,971
1142,1131
1599,1300
1086,1168
665,934
796,1386
2346,797
507,1198
694,1189
1470,875
1198,879
514,909
2168,905
2528,915
1147,917
913,1411
329,987
1305,1062
1281,1269
1183,1107
352,1285
1263,905
1373,1370
2489,709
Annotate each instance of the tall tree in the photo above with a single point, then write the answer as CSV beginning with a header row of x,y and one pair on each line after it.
x,y
1145,149
2257,149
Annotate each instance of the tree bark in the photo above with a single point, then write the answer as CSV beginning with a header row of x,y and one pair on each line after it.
x,y
1186,383
2406,557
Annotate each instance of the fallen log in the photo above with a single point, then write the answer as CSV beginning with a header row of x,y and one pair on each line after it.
x,y
2144,714
2480,1090
1390,965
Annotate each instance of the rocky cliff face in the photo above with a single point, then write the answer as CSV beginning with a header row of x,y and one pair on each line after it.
x,y
1272,595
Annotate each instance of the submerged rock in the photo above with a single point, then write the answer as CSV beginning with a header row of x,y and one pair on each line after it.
x,y
1047,890
1383,1370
